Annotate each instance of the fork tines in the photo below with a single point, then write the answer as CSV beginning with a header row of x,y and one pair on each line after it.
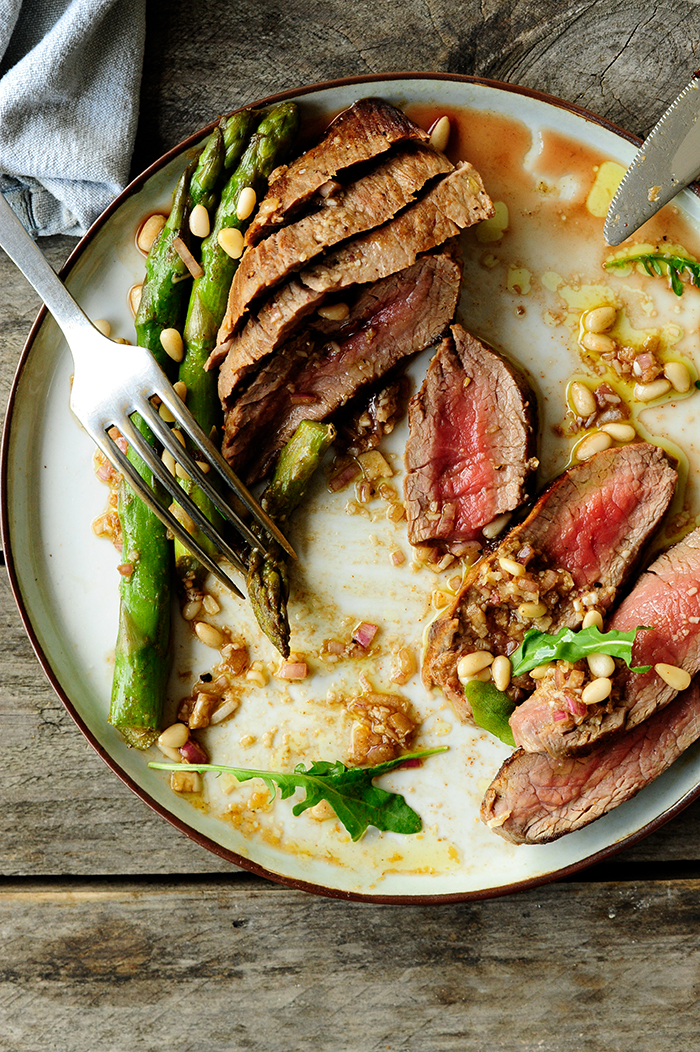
x,y
170,484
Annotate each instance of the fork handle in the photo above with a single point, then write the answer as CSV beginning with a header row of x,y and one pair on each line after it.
x,y
26,255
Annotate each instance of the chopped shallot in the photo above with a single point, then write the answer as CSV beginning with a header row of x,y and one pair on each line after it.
x,y
192,752
576,707
364,634
559,715
293,670
187,258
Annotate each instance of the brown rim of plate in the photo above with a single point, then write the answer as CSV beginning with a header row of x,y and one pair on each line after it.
x,y
199,838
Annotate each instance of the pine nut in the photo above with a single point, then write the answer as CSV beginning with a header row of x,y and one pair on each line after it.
x,y
170,754
165,414
582,399
648,392
200,224
470,664
180,389
103,326
479,677
210,604
191,609
676,372
134,298
529,611
440,134
182,517
676,677
596,691
247,201
179,436
334,311
619,432
175,736
210,636
149,232
601,665
169,461
172,344
496,526
593,443
515,569
600,319
231,240
501,671
597,342
540,671
593,617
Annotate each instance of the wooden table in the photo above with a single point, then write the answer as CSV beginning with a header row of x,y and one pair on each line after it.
x,y
119,933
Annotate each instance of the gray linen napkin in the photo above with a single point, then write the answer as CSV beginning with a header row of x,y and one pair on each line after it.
x,y
70,72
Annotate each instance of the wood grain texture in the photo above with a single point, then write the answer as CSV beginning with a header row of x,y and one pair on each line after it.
x,y
234,966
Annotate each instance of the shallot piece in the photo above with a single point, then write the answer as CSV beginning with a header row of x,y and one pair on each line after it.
x,y
293,670
559,715
192,752
364,634
576,707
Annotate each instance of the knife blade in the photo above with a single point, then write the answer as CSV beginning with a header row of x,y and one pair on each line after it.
x,y
667,161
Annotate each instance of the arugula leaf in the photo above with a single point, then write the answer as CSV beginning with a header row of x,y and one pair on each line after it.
x,y
538,648
350,791
491,709
657,264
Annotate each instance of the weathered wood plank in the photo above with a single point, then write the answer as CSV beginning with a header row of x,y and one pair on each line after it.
x,y
238,965
624,61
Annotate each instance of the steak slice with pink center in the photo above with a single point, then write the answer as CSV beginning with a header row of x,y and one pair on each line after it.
x,y
536,798
580,541
314,377
471,448
666,598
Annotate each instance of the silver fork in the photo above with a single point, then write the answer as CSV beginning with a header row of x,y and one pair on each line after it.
x,y
113,381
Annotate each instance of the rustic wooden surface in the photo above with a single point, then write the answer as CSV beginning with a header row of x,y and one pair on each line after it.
x,y
116,931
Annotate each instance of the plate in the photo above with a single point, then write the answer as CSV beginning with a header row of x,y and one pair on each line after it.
x,y
523,292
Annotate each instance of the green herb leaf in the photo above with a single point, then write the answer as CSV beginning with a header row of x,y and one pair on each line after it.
x,y
491,709
350,791
538,648
658,264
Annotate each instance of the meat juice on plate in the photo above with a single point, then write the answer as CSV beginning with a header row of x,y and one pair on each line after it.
x,y
530,274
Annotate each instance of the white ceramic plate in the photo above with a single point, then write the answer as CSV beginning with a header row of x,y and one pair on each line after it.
x,y
65,580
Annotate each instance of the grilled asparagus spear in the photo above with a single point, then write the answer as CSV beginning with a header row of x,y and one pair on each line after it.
x,y
141,664
267,147
267,579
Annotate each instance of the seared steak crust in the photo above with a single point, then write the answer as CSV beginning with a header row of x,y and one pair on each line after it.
x,y
313,378
535,798
582,537
471,447
367,203
667,598
365,130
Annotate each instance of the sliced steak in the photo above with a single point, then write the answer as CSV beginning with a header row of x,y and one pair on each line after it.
x,y
311,380
581,538
471,447
667,598
456,202
367,203
277,319
365,130
535,799
453,204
